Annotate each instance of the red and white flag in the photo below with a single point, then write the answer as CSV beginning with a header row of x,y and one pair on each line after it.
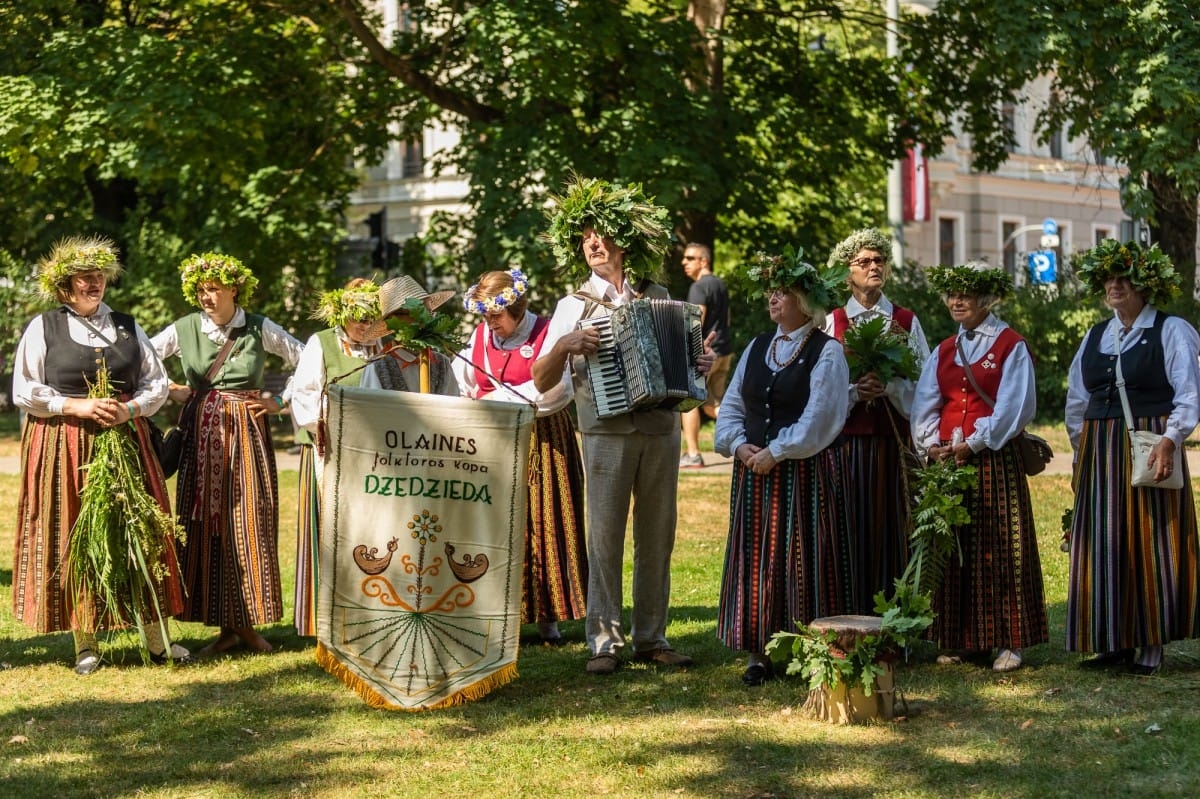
x,y
914,173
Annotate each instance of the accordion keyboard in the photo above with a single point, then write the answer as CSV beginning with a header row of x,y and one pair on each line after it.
x,y
607,371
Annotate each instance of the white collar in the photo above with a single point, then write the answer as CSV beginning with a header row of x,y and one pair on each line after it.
x,y
855,309
208,326
519,336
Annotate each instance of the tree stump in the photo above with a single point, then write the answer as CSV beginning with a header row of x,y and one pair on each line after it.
x,y
851,705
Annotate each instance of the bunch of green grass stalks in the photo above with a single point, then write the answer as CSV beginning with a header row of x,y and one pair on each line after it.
x,y
115,561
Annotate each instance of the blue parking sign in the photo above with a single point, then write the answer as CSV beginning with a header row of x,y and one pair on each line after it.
x,y
1042,269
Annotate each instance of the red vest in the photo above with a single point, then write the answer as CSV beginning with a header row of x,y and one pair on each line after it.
x,y
864,419
512,366
961,404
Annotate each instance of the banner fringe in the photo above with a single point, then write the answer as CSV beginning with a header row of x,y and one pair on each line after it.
x,y
328,661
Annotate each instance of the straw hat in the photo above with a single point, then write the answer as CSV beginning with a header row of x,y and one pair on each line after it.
x,y
396,291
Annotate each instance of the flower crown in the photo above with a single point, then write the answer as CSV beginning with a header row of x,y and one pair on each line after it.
x,y
790,272
490,305
623,213
975,278
212,267
75,255
1148,269
358,304
859,240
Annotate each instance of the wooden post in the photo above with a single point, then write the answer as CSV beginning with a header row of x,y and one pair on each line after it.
x,y
423,360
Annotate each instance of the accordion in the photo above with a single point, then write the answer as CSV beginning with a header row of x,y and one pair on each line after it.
x,y
647,357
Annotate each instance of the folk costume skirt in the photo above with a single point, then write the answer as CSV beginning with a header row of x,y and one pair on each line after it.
x,y
54,454
873,509
991,597
308,527
1133,550
781,560
228,502
554,580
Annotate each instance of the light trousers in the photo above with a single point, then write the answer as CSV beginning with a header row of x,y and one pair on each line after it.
x,y
618,468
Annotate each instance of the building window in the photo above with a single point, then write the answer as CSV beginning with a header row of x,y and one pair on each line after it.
x,y
1008,118
1056,144
947,240
1099,234
412,161
1009,242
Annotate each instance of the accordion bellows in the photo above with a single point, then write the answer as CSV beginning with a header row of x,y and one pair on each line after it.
x,y
647,357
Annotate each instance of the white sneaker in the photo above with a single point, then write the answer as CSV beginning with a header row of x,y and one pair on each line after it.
x,y
691,461
1008,660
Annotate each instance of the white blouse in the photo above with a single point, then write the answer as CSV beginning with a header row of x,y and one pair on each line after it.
x,y
276,340
307,388
898,391
31,392
1016,399
823,417
547,403
1181,346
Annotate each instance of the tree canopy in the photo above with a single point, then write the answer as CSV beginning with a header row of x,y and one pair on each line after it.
x,y
1123,76
755,123
184,126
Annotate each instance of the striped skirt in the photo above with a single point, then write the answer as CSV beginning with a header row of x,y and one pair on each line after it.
x,y
228,501
874,509
782,560
308,526
54,452
991,597
1133,550
555,577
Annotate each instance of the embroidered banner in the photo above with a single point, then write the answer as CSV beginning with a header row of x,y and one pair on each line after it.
x,y
422,544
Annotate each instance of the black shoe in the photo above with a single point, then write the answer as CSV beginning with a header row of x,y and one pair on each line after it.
x,y
86,662
1140,670
756,674
553,640
1109,660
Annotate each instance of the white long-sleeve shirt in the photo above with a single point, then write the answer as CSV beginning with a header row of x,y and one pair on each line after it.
x,y
1181,346
898,391
820,422
32,394
307,388
547,402
275,339
1016,399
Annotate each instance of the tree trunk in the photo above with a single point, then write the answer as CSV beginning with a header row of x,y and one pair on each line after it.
x,y
1175,228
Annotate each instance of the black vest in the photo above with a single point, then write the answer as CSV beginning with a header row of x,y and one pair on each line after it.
x,y
71,366
1145,370
775,400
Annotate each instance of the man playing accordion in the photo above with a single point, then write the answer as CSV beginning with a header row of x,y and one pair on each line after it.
x,y
633,455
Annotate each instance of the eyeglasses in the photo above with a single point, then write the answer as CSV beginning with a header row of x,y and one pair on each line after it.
x,y
863,263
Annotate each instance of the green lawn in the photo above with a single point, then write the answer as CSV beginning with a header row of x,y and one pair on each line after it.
x,y
279,726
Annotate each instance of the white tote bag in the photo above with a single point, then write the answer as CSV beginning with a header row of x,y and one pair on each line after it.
x,y
1142,442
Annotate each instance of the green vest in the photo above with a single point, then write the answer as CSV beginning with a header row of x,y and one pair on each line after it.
x,y
242,369
337,363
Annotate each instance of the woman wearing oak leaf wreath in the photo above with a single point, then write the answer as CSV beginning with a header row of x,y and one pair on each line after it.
x,y
785,404
227,495
496,365
57,360
991,595
356,334
1134,563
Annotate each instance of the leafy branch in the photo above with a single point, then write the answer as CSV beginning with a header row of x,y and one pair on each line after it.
x,y
881,348
116,559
